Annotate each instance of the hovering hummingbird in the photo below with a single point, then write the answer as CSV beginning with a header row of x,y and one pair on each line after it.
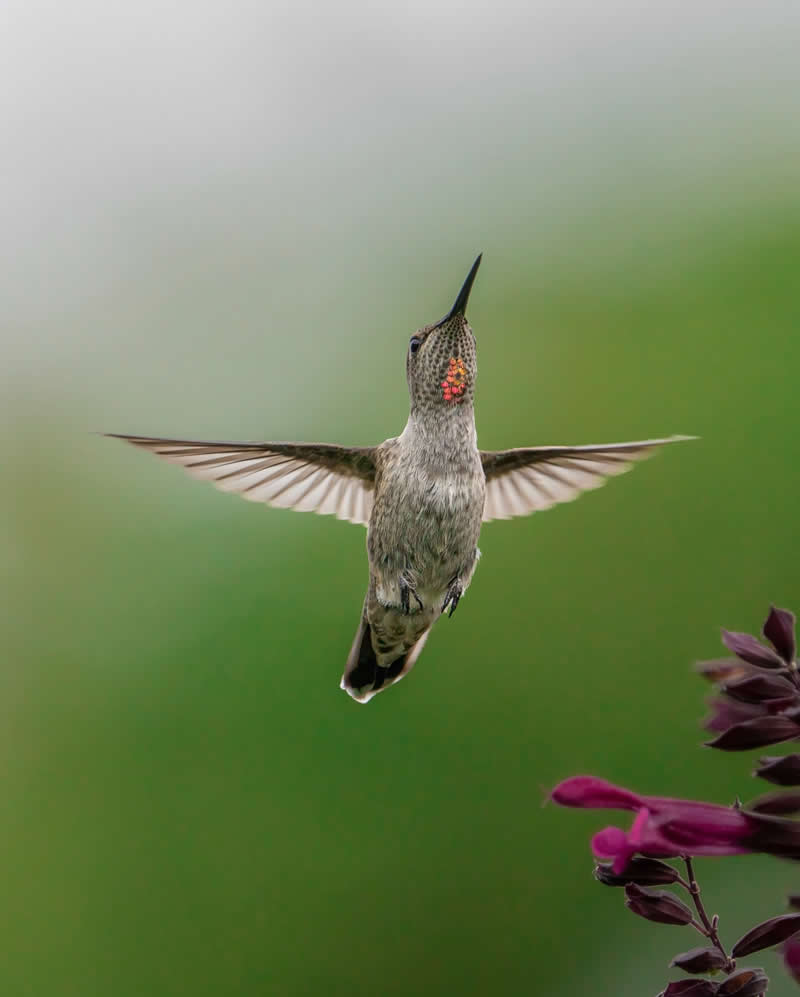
x,y
422,495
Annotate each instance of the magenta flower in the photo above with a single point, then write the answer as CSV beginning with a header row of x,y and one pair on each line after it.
x,y
758,704
669,828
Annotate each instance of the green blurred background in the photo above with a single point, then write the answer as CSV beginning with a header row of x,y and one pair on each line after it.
x,y
226,222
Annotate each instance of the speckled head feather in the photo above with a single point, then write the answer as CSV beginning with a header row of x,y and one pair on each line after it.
x,y
442,362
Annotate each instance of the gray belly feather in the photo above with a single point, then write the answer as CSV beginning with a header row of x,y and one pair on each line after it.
x,y
424,530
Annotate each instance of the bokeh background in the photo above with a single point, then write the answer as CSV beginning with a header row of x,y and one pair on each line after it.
x,y
224,221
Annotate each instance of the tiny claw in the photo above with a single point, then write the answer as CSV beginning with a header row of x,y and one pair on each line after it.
x,y
452,597
405,592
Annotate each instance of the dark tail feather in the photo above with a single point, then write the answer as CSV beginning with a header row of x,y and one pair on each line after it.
x,y
363,676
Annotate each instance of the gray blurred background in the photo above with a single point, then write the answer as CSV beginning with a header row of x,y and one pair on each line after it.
x,y
225,221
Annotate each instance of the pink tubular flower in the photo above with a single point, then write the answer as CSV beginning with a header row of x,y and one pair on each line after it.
x,y
668,828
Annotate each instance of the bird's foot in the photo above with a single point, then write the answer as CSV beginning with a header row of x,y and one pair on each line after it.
x,y
406,591
454,593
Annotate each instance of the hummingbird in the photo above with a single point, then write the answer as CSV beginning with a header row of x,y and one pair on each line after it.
x,y
422,495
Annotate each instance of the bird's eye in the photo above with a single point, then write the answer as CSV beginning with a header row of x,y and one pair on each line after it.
x,y
415,344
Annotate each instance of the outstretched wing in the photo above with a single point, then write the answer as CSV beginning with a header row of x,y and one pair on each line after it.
x,y
311,477
529,479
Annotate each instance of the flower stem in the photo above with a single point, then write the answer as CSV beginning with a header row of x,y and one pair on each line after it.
x,y
709,924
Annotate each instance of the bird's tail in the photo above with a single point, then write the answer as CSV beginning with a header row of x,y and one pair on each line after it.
x,y
363,677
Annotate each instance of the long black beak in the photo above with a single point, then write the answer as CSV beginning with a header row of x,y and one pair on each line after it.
x,y
460,306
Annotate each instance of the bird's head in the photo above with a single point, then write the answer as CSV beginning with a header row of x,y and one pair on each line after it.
x,y
442,362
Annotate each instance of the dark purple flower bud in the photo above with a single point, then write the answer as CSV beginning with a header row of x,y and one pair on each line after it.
x,y
656,905
756,733
782,770
723,669
778,804
779,631
700,960
791,957
744,983
643,872
750,650
726,712
793,901
760,686
690,988
768,933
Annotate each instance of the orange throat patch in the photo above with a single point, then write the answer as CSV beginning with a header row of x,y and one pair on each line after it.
x,y
455,382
